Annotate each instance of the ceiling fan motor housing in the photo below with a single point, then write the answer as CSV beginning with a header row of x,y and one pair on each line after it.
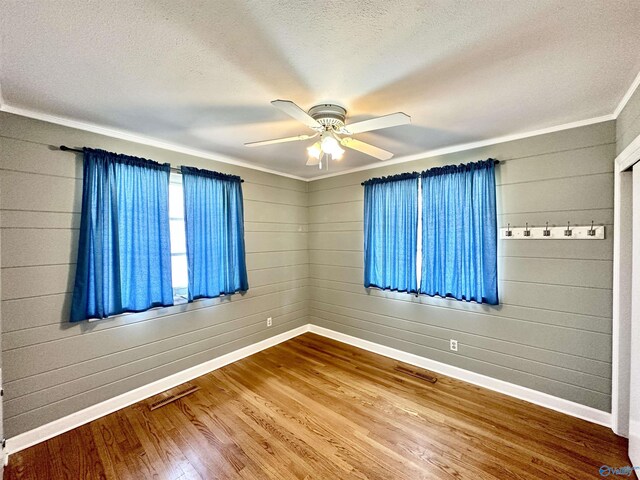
x,y
329,115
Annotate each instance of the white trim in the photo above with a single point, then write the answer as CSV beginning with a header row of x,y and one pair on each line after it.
x,y
124,135
621,321
629,155
57,427
470,146
533,396
627,96
132,137
141,139
621,306
622,275
1,98
64,424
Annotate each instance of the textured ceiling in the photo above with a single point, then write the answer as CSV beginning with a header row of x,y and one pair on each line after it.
x,y
202,73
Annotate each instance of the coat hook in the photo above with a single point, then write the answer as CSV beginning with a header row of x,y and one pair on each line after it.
x,y
527,232
568,231
592,231
546,232
508,233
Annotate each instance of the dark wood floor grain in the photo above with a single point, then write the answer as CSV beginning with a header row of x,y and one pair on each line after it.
x,y
312,408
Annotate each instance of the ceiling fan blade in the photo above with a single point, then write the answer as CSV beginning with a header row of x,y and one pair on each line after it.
x,y
365,148
294,111
280,140
386,121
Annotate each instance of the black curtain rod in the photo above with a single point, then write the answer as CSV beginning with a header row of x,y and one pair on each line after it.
x,y
69,149
495,162
64,148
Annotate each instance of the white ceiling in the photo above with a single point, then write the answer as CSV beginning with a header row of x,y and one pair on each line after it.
x,y
202,73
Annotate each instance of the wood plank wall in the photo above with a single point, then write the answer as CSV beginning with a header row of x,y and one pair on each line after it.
x,y
53,368
628,122
552,331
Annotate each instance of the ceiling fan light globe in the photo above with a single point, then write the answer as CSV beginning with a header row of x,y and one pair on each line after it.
x,y
329,144
337,154
314,150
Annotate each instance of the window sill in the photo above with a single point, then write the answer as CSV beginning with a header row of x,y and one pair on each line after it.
x,y
178,306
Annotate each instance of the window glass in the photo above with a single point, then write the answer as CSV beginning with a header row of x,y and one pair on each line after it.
x,y
179,271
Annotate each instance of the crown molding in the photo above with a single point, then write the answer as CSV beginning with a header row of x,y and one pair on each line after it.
x,y
144,140
470,146
627,96
507,138
154,142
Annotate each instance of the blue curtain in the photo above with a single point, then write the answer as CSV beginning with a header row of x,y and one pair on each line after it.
x,y
459,232
124,256
214,222
391,232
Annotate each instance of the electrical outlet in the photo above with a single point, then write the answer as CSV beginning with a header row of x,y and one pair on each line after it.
x,y
453,345
269,322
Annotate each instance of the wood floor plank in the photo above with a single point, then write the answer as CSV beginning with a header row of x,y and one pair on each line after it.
x,y
103,450
276,424
314,408
159,448
385,431
462,405
395,428
571,456
268,448
106,440
328,442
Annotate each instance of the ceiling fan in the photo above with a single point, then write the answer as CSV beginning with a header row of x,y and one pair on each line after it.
x,y
328,122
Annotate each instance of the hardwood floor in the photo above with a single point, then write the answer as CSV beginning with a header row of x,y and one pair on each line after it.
x,y
315,408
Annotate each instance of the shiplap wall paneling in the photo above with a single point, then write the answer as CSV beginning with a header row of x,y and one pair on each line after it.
x,y
628,122
53,368
552,331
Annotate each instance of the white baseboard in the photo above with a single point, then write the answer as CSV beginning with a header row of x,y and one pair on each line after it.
x,y
64,424
57,427
533,396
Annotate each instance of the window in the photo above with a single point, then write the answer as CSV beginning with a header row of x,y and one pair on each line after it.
x,y
179,271
214,226
217,238
433,233
391,233
151,238
460,233
124,237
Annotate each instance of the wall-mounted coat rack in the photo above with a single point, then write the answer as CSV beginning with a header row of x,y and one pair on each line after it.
x,y
568,232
